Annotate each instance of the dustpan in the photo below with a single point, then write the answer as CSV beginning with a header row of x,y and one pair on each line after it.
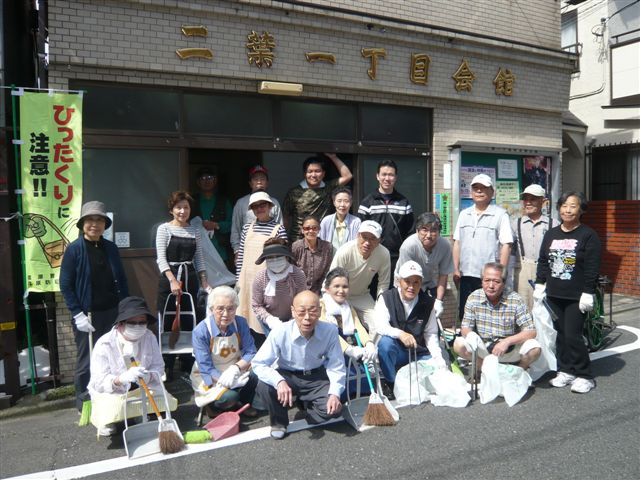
x,y
183,344
355,408
226,424
142,439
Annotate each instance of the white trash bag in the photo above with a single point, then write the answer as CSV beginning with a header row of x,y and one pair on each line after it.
x,y
418,388
217,273
546,336
508,381
449,389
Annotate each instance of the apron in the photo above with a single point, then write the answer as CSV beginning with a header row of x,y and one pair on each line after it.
x,y
225,351
180,253
253,245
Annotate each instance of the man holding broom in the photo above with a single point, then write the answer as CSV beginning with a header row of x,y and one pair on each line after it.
x,y
310,366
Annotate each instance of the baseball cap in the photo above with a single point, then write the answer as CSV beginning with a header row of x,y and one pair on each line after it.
x,y
258,169
259,197
482,179
371,227
535,190
410,269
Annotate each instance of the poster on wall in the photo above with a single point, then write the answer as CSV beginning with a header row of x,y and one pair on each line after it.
x,y
51,158
537,169
467,174
508,168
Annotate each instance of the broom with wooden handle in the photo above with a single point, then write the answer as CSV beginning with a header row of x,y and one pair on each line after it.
x,y
377,413
174,336
170,440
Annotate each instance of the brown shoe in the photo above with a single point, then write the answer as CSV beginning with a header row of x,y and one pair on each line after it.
x,y
250,413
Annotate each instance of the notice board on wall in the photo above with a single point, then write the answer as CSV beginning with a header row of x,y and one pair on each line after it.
x,y
511,174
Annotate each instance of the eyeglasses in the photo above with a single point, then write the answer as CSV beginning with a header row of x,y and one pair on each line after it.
x,y
260,204
225,309
425,230
312,311
313,228
141,322
207,177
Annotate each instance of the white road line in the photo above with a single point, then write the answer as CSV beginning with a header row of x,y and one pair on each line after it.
x,y
119,463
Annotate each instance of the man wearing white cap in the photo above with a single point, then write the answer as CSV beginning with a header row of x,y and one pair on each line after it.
x,y
363,258
406,319
529,230
482,235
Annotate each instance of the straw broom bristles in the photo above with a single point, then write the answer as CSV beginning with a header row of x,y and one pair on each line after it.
x,y
377,414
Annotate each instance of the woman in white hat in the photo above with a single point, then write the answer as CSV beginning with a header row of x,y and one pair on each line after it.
x,y
252,240
92,282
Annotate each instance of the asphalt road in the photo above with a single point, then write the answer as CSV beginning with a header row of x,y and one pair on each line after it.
x,y
551,434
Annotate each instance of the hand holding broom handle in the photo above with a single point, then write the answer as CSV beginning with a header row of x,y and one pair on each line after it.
x,y
143,384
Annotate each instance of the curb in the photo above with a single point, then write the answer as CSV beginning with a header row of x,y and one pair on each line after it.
x,y
40,407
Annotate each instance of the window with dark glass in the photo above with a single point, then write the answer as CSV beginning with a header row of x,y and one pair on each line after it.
x,y
317,121
397,125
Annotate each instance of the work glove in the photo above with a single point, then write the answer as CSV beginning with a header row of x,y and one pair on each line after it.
x,y
229,376
438,307
473,341
272,322
133,374
241,381
370,353
83,324
586,302
354,352
539,292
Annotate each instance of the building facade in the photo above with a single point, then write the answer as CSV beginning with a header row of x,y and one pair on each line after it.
x,y
444,88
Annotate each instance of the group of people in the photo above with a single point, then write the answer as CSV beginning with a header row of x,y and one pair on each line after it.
x,y
317,292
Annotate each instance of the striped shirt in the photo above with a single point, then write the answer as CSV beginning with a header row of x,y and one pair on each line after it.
x,y
165,232
261,229
509,317
315,265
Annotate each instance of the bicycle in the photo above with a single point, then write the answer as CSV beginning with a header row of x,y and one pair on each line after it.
x,y
597,326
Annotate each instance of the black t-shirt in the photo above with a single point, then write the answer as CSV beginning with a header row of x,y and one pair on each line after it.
x,y
104,294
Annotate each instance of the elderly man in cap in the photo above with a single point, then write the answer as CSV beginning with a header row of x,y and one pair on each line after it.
x,y
215,210
433,253
363,258
406,320
242,212
92,282
497,322
121,357
301,357
482,234
529,229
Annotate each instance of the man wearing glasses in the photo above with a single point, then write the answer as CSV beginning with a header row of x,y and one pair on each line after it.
x,y
308,364
433,253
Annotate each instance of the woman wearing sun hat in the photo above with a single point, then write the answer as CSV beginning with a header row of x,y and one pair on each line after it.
x,y
92,281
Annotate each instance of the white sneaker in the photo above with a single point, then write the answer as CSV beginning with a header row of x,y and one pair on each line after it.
x,y
582,385
107,431
562,380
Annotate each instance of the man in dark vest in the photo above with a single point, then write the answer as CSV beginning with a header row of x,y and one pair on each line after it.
x,y
405,319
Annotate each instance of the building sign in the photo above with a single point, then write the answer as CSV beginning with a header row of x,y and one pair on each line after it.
x,y
51,155
443,208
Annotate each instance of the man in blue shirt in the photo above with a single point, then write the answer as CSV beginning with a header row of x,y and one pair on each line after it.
x,y
310,365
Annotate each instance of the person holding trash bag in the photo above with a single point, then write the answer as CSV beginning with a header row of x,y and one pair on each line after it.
x,y
497,321
223,347
92,282
114,377
335,309
567,273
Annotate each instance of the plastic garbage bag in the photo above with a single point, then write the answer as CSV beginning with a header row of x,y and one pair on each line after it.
x,y
508,381
417,392
546,336
448,389
217,273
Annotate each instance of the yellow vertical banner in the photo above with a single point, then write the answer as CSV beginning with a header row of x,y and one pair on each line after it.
x,y
51,163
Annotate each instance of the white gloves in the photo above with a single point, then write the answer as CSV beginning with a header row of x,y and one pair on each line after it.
x,y
133,374
82,323
241,381
438,307
539,292
370,353
229,376
586,302
272,322
473,341
354,352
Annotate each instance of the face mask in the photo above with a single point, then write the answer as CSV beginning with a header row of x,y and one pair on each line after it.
x,y
134,332
278,264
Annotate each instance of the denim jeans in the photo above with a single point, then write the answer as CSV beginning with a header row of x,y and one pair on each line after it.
x,y
393,355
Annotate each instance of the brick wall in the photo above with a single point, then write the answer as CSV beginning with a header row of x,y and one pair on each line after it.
x,y
618,225
66,343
